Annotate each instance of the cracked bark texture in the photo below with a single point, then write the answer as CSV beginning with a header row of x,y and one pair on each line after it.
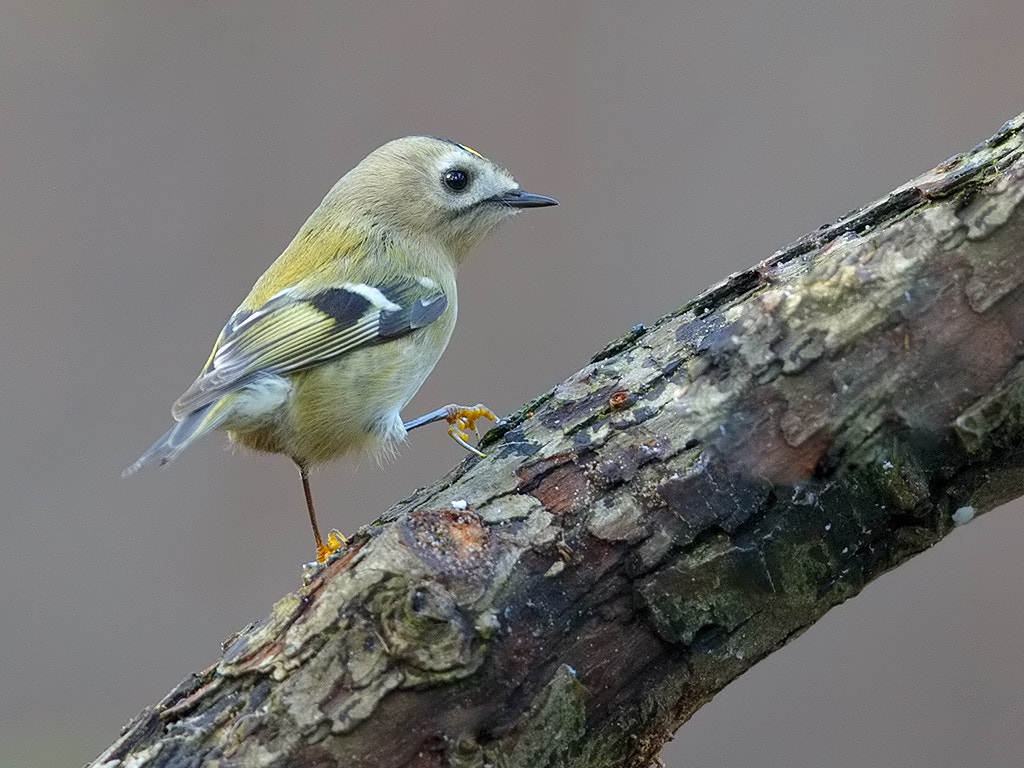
x,y
703,491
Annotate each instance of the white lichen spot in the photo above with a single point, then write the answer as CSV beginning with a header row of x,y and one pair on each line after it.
x,y
803,496
310,571
488,623
556,568
678,391
963,516
460,504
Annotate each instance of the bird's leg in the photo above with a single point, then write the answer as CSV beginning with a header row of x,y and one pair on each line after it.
x,y
460,418
334,539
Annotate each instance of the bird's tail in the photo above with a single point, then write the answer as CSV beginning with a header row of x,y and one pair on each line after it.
x,y
179,437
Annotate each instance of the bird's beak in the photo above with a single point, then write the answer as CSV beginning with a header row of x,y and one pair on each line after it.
x,y
516,198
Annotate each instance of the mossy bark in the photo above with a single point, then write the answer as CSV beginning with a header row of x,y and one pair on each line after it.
x,y
638,537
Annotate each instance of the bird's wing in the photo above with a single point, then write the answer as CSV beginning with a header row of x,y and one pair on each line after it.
x,y
289,332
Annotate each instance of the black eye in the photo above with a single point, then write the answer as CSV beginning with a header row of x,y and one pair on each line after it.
x,y
456,179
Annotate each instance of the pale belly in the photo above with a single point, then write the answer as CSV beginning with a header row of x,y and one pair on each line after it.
x,y
351,405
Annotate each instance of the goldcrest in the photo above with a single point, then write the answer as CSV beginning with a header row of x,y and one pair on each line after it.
x,y
340,332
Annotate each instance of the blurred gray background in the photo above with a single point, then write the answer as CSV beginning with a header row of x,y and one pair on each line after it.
x,y
156,157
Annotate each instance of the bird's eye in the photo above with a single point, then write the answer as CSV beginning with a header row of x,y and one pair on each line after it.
x,y
456,179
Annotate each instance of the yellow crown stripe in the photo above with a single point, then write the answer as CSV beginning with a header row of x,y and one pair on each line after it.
x,y
472,151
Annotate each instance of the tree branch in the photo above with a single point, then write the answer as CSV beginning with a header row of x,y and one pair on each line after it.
x,y
638,537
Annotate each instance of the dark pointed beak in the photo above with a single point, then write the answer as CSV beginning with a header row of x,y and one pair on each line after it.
x,y
516,198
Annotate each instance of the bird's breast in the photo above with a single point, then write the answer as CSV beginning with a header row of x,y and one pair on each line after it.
x,y
350,404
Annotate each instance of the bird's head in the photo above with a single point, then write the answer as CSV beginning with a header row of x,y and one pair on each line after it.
x,y
425,187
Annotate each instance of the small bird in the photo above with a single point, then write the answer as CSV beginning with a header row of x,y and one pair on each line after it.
x,y
339,333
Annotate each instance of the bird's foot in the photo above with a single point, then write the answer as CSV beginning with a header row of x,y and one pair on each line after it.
x,y
461,419
335,541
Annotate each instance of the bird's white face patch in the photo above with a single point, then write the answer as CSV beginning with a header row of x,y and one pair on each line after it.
x,y
486,179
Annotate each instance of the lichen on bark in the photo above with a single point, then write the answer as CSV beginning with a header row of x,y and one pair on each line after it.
x,y
700,493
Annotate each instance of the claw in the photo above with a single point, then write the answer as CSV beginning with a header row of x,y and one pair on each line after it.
x,y
335,541
462,419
